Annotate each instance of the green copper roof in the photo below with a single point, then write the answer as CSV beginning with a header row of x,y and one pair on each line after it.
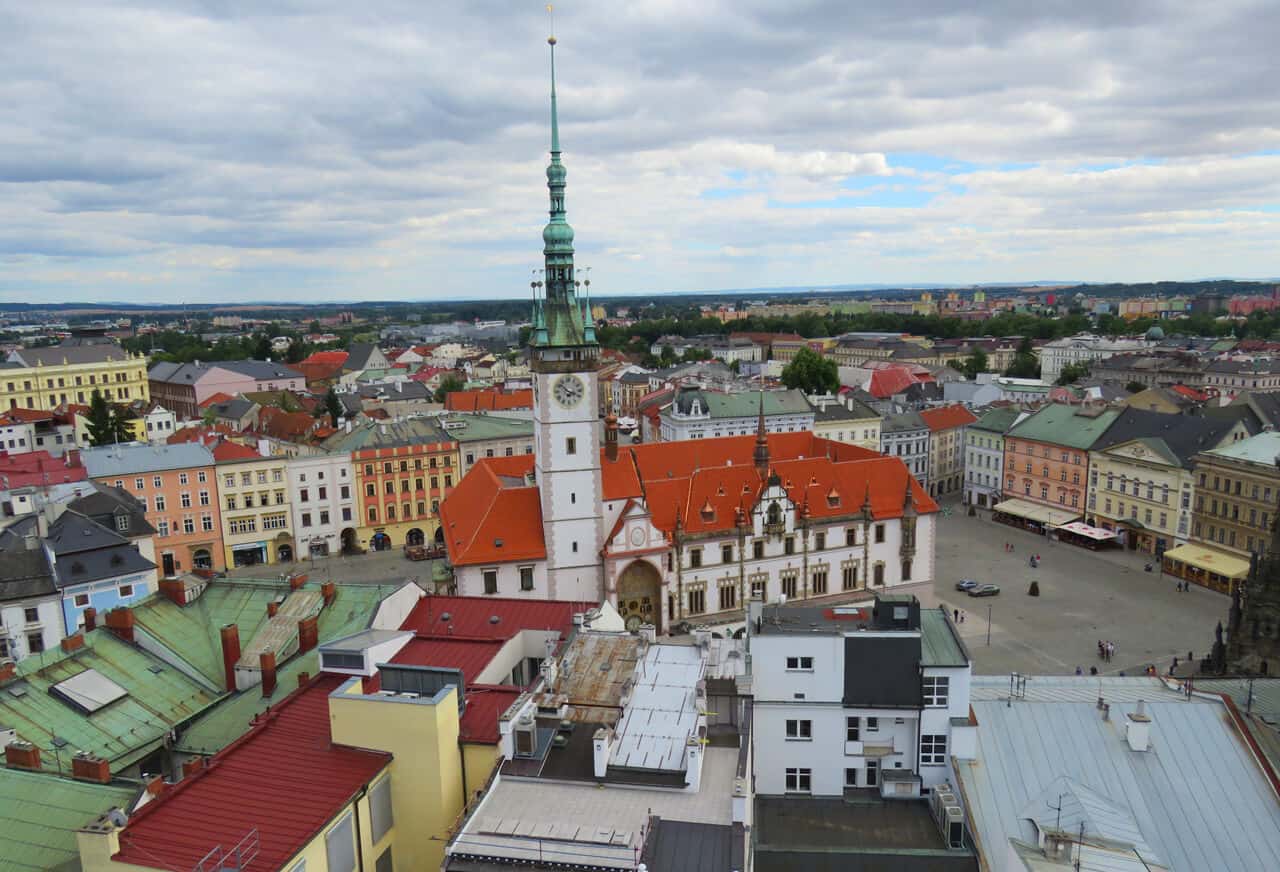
x,y
996,420
1263,448
483,427
159,697
1060,424
41,814
351,611
939,645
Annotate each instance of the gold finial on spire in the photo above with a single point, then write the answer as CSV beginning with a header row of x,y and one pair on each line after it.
x,y
551,14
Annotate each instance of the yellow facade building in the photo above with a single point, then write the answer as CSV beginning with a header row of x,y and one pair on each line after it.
x,y
45,378
257,515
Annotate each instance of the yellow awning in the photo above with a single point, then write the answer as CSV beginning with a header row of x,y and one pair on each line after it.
x,y
1034,512
1226,565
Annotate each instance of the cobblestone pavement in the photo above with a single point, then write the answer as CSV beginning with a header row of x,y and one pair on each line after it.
x,y
373,568
1084,596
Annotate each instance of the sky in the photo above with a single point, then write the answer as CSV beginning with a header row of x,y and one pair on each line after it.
x,y
314,150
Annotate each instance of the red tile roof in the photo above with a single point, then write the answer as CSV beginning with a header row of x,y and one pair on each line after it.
x,y
289,426
319,370
1190,393
887,382
226,451
36,468
219,397
485,704
488,400
285,778
947,417
30,416
325,357
700,481
200,433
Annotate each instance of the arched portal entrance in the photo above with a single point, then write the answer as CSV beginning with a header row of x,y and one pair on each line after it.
x,y
350,545
415,536
201,559
439,537
380,542
639,589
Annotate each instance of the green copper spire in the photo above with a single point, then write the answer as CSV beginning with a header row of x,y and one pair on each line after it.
x,y
559,318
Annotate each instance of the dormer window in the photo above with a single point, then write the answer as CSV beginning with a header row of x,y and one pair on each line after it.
x,y
122,523
774,514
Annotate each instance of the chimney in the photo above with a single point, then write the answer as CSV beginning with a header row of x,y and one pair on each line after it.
x,y
303,678
89,767
72,457
308,634
120,622
611,437
1137,728
329,591
21,755
156,786
272,608
192,766
600,752
297,580
72,643
90,619
174,589
267,661
230,654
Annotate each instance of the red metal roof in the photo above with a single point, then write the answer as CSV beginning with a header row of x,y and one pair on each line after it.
x,y
469,655
284,778
485,704
36,468
227,451
488,400
469,618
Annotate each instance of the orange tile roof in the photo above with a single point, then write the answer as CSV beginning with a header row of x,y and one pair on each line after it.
x,y
488,400
947,417
228,451
326,357
219,397
699,482
28,415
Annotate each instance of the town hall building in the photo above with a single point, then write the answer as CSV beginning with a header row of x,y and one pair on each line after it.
x,y
669,532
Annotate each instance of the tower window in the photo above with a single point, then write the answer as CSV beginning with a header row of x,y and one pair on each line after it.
x,y
570,445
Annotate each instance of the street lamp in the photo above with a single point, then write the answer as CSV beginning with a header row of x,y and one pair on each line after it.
x,y
988,625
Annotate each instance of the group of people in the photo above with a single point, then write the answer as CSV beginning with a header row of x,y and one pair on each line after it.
x,y
1183,586
1106,650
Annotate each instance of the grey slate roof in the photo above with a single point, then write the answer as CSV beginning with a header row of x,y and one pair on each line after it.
x,y
24,573
57,355
135,457
86,551
106,503
177,373
1182,436
358,354
263,370
680,846
408,391
234,408
903,423
1197,796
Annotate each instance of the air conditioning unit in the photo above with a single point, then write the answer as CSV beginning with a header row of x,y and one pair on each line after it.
x,y
953,832
526,734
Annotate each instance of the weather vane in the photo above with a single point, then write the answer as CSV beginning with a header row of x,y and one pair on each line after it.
x,y
551,14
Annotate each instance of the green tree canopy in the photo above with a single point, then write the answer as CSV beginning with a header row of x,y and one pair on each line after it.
x,y
1073,372
811,373
101,427
449,384
975,363
1025,364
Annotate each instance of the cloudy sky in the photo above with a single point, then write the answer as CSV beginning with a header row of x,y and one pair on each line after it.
x,y
328,149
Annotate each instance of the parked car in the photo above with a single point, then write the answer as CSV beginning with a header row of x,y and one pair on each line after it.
x,y
966,584
984,590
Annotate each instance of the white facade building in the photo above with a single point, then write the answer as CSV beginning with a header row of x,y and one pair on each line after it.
x,y
1080,348
874,695
323,502
702,414
984,456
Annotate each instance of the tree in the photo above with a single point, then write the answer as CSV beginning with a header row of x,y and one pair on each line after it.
x,y
1073,372
297,351
1024,363
99,424
811,373
332,407
448,385
120,430
975,363
735,366
314,328
262,347
1135,387
668,356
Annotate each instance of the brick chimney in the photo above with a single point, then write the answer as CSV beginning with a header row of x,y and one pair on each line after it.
x,y
267,660
72,643
21,755
308,634
303,678
328,590
156,785
174,589
192,766
90,767
8,671
90,619
230,654
120,622
297,580
272,608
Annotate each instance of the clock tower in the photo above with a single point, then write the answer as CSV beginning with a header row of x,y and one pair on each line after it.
x,y
564,356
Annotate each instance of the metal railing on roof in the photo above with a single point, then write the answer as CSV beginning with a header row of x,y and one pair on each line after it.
x,y
237,858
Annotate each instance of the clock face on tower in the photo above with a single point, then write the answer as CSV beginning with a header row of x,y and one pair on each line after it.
x,y
568,390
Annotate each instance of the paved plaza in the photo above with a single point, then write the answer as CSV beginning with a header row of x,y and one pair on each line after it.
x,y
1084,596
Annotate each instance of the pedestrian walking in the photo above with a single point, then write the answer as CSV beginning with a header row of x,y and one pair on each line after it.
x,y
1093,670
962,621
955,615
1079,671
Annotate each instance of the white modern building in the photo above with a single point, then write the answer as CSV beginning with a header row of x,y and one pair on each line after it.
x,y
1081,348
906,436
324,502
873,695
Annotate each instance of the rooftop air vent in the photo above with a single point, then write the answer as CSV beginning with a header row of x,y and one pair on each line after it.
x,y
446,616
493,619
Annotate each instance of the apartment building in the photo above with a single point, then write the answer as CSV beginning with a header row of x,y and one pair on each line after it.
x,y
177,488
183,387
906,436
846,419
984,456
323,499
946,447
1046,462
256,506
873,695
45,378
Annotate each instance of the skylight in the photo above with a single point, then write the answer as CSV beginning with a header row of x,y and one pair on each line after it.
x,y
88,691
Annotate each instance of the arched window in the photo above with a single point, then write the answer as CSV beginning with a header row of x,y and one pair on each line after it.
x,y
775,513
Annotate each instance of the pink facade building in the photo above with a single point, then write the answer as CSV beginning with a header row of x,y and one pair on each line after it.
x,y
182,387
